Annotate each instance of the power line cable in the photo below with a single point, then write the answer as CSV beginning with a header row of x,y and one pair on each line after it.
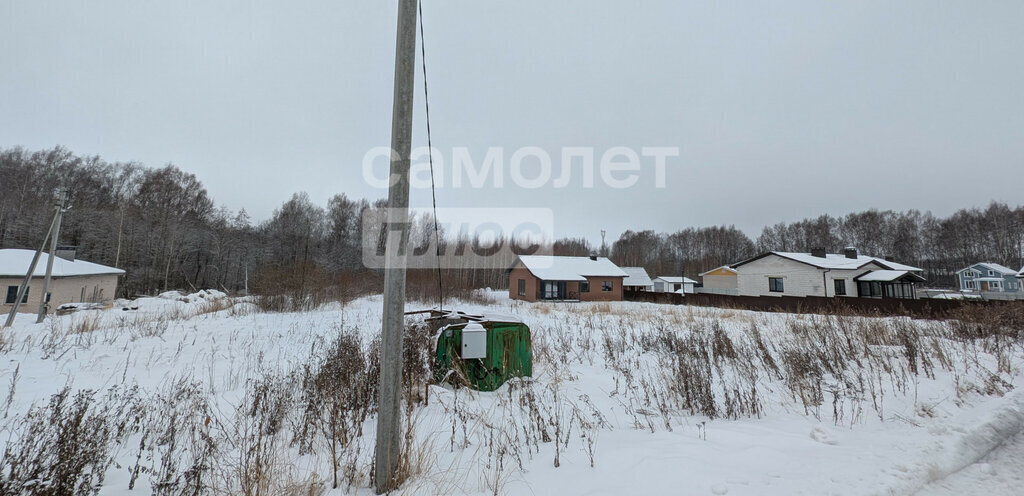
x,y
430,155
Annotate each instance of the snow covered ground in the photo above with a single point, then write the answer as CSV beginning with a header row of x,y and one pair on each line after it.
x,y
626,398
999,472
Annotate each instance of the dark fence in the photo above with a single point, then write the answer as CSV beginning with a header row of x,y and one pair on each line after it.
x,y
871,307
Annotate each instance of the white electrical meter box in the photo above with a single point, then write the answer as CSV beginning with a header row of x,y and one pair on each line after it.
x,y
474,341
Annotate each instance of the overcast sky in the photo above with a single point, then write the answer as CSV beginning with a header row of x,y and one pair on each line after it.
x,y
782,110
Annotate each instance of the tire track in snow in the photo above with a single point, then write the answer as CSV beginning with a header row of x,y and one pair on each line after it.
x,y
1000,473
999,432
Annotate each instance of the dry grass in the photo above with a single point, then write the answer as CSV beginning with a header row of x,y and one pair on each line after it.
x,y
5,340
672,368
84,323
214,305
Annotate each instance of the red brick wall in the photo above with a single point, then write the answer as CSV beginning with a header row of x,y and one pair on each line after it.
x,y
532,284
596,294
572,288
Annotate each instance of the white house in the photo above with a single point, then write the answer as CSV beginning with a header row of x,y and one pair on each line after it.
x,y
672,284
826,274
991,280
637,279
72,281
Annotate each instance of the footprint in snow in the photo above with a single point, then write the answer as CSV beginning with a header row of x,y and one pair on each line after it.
x,y
719,489
818,434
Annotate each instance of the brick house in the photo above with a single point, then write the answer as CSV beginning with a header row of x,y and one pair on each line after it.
x,y
537,277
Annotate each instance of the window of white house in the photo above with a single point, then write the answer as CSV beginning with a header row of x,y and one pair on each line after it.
x,y
585,287
775,285
606,285
12,295
522,287
840,287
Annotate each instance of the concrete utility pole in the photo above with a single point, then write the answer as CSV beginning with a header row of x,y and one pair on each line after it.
x,y
28,276
54,234
389,420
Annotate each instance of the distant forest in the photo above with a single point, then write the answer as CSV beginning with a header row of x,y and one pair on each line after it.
x,y
162,227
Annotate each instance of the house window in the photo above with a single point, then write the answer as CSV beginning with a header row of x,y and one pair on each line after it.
x,y
968,274
12,295
871,289
996,285
554,290
585,287
606,286
970,285
522,287
840,287
991,273
775,285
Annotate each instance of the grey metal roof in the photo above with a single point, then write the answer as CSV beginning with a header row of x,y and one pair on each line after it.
x,y
636,276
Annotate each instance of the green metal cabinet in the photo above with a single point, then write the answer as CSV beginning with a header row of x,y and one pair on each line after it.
x,y
506,353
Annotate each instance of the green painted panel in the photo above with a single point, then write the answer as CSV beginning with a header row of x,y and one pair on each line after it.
x,y
509,354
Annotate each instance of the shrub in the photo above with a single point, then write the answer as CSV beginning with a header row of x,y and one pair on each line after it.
x,y
65,446
339,390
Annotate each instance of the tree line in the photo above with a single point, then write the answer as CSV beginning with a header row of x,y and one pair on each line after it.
x,y
164,229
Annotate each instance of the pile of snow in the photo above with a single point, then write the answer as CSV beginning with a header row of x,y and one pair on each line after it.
x,y
205,294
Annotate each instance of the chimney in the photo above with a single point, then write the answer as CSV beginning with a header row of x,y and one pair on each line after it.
x,y
66,252
593,257
818,252
850,252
